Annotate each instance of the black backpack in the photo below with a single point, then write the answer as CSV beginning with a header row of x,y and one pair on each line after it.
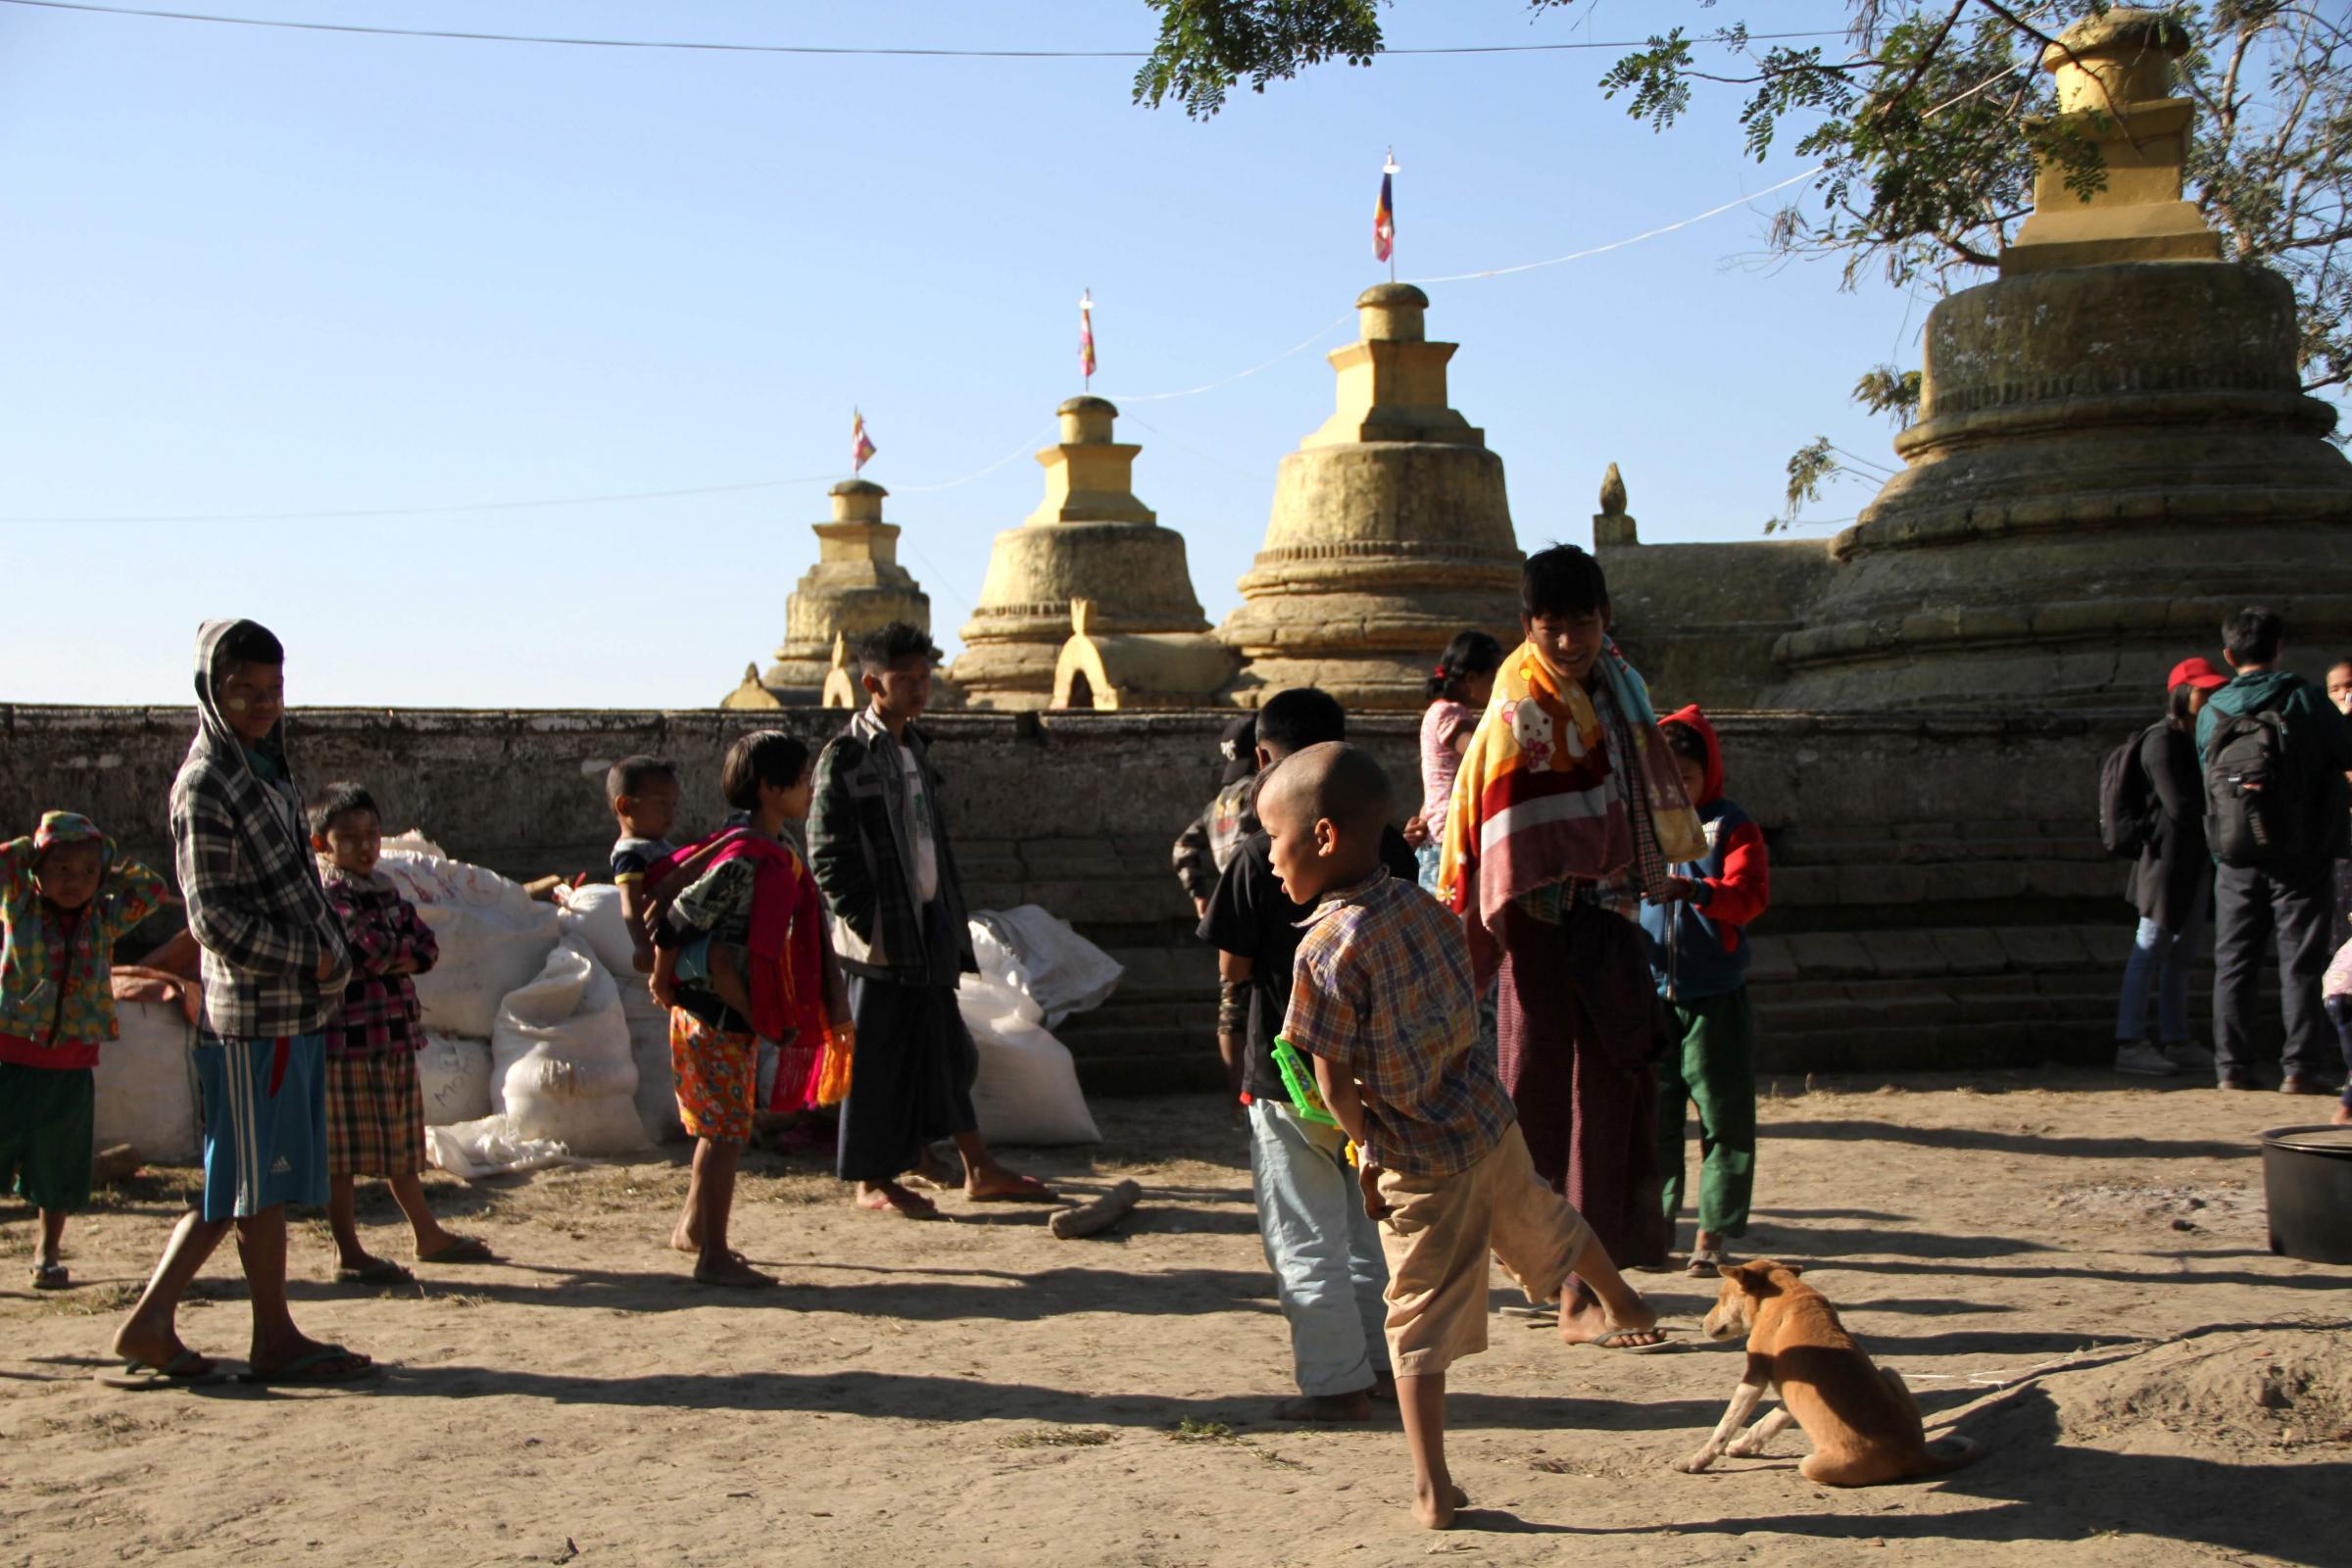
x,y
2253,809
2128,802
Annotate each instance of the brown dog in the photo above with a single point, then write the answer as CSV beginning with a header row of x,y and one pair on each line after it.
x,y
1865,1428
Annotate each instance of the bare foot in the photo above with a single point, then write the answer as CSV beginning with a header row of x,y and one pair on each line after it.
x,y
1434,1509
732,1271
2342,1116
994,1183
1356,1406
680,1241
1384,1386
889,1197
267,1361
156,1347
1584,1319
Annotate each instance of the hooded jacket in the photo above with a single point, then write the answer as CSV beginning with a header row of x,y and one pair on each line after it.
x,y
55,996
251,883
1699,948
2319,741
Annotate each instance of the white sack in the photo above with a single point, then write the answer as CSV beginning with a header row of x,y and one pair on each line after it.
x,y
592,915
491,1147
145,1085
1034,951
1027,1089
561,1063
455,1076
492,938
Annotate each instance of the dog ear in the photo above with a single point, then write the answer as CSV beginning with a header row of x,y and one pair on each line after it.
x,y
1795,1268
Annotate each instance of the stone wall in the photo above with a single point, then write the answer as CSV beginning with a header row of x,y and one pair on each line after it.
x,y
1939,896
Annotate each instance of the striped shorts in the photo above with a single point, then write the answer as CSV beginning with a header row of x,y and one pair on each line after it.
x,y
264,1122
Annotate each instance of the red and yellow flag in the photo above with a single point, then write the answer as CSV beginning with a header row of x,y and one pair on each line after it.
x,y
1086,334
1384,216
860,445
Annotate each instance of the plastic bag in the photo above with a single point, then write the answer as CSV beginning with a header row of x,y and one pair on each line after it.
x,y
492,938
453,1075
560,1057
1037,952
145,1084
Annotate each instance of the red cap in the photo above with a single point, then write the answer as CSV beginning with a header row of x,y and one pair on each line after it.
x,y
2197,672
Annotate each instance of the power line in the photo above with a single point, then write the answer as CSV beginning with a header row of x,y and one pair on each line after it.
x,y
454,36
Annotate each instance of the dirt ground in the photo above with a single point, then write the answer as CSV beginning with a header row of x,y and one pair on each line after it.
x,y
2070,1270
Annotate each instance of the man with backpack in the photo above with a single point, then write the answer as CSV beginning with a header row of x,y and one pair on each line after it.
x,y
2274,754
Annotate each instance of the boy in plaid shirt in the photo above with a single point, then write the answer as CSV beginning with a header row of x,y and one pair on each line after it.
x,y
374,1099
1383,1003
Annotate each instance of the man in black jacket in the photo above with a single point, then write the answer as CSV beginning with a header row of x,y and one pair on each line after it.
x,y
878,846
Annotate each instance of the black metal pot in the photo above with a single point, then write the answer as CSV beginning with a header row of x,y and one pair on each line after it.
x,y
2306,1181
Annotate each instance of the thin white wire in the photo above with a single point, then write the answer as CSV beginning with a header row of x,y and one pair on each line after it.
x,y
1319,334
1620,244
1024,448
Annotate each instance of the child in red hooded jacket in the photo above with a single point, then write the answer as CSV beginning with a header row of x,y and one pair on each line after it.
x,y
1698,954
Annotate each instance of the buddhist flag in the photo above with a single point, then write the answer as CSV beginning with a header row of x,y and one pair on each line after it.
x,y
1384,216
1086,334
860,445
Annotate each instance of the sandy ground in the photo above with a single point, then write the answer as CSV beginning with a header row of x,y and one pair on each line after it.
x,y
2070,1270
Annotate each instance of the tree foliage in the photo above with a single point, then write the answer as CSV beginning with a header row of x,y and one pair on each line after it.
x,y
1928,120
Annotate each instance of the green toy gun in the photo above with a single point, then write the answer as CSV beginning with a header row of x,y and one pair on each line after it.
x,y
1299,1079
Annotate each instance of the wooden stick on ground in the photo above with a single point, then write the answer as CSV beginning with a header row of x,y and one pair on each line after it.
x,y
1099,1215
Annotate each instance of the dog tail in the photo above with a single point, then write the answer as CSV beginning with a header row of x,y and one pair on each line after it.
x,y
1951,1452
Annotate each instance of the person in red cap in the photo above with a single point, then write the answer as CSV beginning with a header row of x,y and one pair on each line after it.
x,y
2171,885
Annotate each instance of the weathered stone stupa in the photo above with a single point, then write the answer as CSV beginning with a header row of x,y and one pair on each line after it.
x,y
2113,451
1089,539
1391,530
855,586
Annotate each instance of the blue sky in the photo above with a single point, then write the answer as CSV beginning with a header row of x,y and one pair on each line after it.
x,y
247,271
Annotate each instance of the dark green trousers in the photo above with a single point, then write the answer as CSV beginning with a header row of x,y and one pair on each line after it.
x,y
1715,1070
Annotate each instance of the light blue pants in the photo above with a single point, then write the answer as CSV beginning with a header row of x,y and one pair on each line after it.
x,y
1323,1249
2165,960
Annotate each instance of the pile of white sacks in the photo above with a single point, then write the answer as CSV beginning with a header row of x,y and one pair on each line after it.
x,y
543,1043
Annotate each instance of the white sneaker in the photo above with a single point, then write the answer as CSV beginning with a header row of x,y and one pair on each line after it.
x,y
2187,1056
2138,1057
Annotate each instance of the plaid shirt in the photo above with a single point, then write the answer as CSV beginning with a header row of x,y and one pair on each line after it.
x,y
1383,990
384,931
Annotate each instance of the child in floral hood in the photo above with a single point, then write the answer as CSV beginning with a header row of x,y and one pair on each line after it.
x,y
65,901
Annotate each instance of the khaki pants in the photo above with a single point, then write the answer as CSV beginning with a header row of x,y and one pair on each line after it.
x,y
1438,1235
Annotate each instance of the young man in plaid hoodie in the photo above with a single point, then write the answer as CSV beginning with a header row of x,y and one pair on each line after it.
x,y
274,968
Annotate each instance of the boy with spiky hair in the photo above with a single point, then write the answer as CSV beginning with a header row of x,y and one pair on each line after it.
x,y
274,968
878,844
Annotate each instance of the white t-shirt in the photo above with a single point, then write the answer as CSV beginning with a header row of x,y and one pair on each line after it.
x,y
927,839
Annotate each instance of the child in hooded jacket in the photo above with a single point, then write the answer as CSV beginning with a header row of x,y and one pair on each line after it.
x,y
1698,940
65,899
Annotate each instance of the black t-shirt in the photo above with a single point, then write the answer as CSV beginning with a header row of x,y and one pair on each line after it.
x,y
1250,915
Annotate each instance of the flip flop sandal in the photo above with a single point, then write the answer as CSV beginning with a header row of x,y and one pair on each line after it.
x,y
51,1277
187,1370
383,1271
1705,1261
1618,1340
468,1249
329,1363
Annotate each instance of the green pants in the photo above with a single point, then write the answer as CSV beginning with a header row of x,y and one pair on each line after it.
x,y
1715,1069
